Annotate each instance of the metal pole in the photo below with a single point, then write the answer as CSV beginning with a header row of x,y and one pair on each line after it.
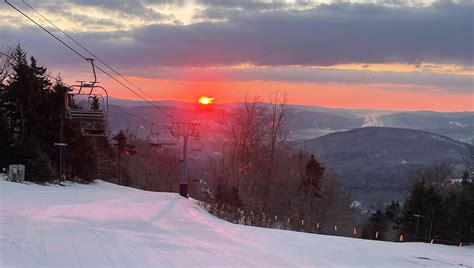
x,y
431,225
417,226
183,183
61,157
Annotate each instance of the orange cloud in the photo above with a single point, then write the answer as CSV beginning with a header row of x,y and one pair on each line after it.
x,y
383,96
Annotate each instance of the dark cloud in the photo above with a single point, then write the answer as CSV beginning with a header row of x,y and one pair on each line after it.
x,y
123,9
134,63
223,9
326,35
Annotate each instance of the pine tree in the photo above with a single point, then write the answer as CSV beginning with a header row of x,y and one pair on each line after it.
x,y
413,218
376,226
37,163
106,159
313,174
5,143
464,211
5,138
23,101
433,214
450,222
393,210
311,185
123,148
27,89
129,151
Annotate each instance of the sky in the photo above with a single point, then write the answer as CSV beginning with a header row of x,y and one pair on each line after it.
x,y
385,54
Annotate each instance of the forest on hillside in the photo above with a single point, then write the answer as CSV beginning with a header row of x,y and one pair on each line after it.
x,y
32,106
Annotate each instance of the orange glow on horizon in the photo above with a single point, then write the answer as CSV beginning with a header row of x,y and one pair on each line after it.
x,y
205,100
336,95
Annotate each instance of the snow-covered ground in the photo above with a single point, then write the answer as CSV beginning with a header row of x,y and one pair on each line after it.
x,y
102,224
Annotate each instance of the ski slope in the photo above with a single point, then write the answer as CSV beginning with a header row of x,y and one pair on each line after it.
x,y
104,225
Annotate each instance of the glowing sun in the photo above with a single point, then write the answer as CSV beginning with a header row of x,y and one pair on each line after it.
x,y
205,100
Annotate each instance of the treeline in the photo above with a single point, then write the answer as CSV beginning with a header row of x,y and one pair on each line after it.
x,y
152,168
436,210
32,108
259,179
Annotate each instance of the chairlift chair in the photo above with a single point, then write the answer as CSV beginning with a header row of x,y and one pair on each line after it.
x,y
162,136
153,139
92,111
84,111
93,129
167,137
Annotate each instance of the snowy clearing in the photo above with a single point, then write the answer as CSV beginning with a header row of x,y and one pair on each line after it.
x,y
102,225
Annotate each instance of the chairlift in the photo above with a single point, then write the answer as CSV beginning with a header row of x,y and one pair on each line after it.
x,y
93,129
88,108
153,139
162,136
166,137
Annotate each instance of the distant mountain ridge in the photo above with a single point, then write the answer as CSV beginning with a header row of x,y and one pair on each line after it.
x,y
304,122
374,163
456,125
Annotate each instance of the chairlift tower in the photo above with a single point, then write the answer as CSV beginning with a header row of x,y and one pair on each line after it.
x,y
185,130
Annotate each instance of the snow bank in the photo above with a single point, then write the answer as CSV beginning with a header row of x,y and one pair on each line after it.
x,y
102,225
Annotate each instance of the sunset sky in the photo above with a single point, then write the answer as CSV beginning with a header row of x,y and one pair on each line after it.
x,y
387,54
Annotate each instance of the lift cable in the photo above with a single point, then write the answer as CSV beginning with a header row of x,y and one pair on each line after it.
x,y
112,106
88,51
84,58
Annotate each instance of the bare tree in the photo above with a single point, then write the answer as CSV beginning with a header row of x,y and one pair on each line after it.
x,y
278,116
5,65
245,131
259,162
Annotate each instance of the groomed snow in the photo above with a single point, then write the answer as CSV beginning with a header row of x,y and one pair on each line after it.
x,y
102,225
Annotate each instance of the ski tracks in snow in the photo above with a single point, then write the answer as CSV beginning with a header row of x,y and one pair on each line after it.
x,y
104,225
